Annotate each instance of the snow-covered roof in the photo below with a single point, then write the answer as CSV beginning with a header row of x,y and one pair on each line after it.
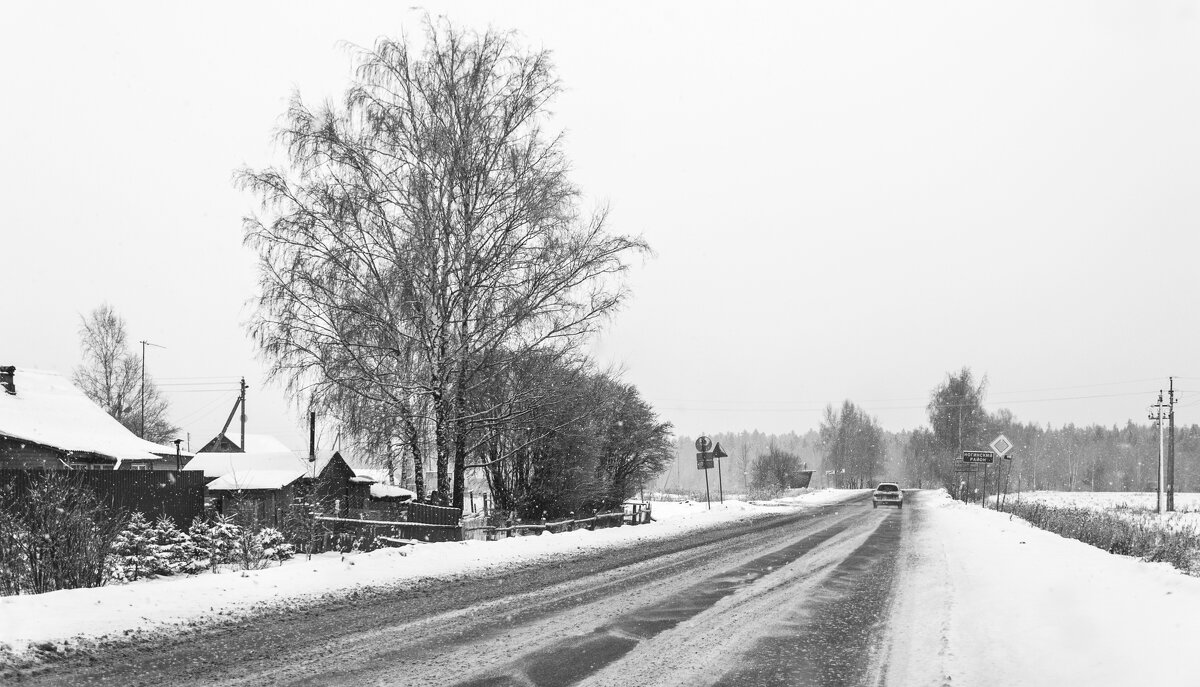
x,y
257,443
268,465
378,474
221,464
380,491
47,409
254,479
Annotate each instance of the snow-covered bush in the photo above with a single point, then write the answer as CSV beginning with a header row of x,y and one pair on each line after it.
x,y
13,560
200,545
366,543
54,534
173,547
301,527
274,546
248,551
137,556
224,540
1149,538
143,549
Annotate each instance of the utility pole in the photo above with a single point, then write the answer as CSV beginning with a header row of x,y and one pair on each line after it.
x,y
1171,447
312,441
1157,414
243,405
143,388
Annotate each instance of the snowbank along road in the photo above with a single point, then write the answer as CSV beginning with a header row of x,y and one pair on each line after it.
x,y
798,599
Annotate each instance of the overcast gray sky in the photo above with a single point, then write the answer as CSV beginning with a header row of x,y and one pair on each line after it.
x,y
845,199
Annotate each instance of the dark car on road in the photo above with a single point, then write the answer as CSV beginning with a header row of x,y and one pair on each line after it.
x,y
887,494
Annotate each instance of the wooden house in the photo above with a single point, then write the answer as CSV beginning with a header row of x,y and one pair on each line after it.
x,y
47,423
262,482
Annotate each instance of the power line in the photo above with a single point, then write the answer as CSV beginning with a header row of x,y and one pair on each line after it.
x,y
926,398
161,383
235,378
202,413
778,409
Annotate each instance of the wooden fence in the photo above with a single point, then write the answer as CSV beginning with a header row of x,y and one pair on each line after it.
x,y
630,513
420,522
178,495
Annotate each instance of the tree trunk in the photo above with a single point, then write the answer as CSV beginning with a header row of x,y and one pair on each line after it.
x,y
442,439
460,464
413,439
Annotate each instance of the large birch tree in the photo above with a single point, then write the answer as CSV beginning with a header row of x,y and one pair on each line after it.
x,y
424,235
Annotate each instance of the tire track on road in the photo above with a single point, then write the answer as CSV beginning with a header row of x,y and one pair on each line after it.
x,y
571,660
833,639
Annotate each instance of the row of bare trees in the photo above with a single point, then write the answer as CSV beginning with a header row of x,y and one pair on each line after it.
x,y
1069,457
427,273
855,446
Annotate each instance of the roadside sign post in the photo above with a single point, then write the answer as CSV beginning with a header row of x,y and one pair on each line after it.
x,y
1004,503
983,496
704,461
974,458
1001,446
718,453
966,472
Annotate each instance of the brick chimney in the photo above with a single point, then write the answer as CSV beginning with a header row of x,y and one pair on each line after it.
x,y
7,373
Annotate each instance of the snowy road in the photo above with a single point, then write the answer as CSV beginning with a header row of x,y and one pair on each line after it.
x,y
792,600
811,590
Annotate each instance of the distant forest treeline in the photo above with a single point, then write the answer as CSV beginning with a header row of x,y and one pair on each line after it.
x,y
850,445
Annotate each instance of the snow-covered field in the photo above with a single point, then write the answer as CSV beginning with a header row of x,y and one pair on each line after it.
x,y
1138,506
993,601
183,601
1136,500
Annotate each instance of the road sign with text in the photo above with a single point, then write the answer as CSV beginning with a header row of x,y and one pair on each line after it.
x,y
978,457
704,460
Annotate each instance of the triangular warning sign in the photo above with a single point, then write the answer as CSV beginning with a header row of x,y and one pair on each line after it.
x,y
718,452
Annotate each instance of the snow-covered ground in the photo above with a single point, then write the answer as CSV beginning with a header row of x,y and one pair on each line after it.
x,y
1138,506
986,599
1136,500
994,601
183,601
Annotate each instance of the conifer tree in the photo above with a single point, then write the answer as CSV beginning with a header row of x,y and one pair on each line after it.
x,y
224,536
172,546
135,549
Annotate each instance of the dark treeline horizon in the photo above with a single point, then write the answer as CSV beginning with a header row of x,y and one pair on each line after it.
x,y
1070,457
